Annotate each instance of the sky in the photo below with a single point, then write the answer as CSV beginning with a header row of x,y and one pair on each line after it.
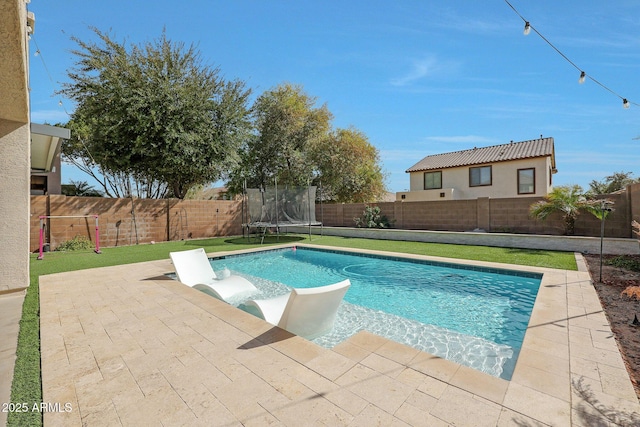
x,y
417,77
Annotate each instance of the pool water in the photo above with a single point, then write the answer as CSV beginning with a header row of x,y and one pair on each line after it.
x,y
473,316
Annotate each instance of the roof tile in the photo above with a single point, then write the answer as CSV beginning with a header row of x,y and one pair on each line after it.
x,y
497,153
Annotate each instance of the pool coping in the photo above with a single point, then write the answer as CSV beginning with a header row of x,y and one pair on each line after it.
x,y
124,344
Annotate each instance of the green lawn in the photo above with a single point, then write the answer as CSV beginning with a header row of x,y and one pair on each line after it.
x,y
27,384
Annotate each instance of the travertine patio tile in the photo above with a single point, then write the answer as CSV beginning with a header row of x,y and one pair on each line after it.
x,y
553,384
151,382
298,349
374,416
509,418
602,356
384,392
104,417
241,396
542,361
422,401
549,333
434,366
383,365
126,349
367,340
330,365
352,351
459,407
397,352
314,408
411,377
480,384
528,401
433,387
545,346
414,416
589,403
615,382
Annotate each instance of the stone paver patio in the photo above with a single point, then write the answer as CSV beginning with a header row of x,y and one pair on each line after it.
x,y
125,345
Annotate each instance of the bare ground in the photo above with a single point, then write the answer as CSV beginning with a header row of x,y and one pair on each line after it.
x,y
620,309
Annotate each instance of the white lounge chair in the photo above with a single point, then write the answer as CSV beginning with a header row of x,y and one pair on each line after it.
x,y
194,269
307,312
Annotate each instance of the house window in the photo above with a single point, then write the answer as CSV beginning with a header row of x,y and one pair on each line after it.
x,y
526,181
479,176
432,180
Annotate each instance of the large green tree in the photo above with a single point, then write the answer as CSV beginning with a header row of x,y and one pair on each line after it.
x,y
612,183
153,114
287,124
295,144
349,167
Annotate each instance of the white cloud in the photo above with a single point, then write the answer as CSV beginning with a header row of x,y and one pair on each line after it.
x,y
420,69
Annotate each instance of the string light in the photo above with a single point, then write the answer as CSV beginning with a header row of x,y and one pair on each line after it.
x,y
583,75
44,64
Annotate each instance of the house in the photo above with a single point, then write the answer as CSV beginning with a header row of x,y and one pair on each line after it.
x,y
16,24
515,169
46,143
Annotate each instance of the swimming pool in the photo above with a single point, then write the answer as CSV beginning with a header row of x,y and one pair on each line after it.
x,y
473,316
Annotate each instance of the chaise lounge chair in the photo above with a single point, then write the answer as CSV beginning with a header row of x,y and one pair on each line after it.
x,y
307,312
193,269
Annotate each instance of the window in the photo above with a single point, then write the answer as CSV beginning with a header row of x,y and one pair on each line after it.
x,y
432,180
480,176
526,181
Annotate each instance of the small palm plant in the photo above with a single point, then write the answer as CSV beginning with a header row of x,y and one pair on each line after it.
x,y
569,200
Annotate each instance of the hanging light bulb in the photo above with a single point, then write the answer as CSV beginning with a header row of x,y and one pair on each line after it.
x,y
36,53
527,28
625,103
582,77
60,103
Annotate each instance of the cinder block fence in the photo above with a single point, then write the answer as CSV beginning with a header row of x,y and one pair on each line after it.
x,y
132,221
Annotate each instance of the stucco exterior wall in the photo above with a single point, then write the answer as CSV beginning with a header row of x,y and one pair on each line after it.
x,y
455,182
15,162
14,205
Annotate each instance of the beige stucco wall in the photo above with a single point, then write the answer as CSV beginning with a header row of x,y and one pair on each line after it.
x,y
15,160
455,182
14,205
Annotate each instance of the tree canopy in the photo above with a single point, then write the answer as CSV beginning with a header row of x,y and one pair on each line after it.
x,y
295,144
612,183
153,115
349,167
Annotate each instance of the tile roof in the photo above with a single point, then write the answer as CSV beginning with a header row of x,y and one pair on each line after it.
x,y
541,147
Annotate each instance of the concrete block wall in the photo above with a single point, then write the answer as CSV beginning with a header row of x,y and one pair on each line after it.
x,y
508,215
126,222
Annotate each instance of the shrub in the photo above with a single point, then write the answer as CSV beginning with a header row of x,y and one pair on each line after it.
x,y
628,262
78,243
372,218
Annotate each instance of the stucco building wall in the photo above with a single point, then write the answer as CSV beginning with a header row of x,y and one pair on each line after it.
x,y
14,146
455,181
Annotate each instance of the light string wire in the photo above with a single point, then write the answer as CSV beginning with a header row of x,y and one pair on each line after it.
x,y
566,58
38,52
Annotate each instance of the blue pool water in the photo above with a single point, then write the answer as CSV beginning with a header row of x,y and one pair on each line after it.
x,y
474,316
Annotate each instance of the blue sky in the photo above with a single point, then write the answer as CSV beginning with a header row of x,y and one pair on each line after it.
x,y
417,77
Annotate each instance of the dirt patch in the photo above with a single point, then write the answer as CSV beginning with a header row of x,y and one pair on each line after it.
x,y
619,308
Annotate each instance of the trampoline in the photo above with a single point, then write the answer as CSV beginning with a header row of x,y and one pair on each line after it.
x,y
276,208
